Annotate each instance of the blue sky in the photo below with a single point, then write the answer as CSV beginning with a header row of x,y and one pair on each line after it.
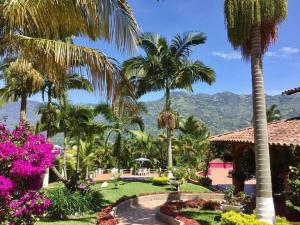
x,y
169,17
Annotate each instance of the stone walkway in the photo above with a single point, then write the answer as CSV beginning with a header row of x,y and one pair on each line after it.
x,y
141,215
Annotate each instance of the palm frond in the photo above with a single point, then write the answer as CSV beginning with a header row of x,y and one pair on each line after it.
x,y
107,19
104,74
182,43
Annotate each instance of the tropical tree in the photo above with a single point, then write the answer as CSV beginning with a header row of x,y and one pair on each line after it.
x,y
167,66
119,124
21,81
273,114
252,27
194,142
36,31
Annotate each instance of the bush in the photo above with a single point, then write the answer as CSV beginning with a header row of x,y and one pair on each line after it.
x,y
105,218
160,180
211,205
294,189
234,218
24,158
180,172
66,203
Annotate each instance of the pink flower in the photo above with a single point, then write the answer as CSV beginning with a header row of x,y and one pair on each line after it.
x,y
6,185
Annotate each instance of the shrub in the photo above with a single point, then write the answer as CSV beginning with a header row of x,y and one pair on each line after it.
x,y
24,158
294,189
180,172
67,203
160,180
105,218
211,205
234,218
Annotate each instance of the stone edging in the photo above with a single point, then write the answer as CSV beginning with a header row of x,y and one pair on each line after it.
x,y
168,219
165,197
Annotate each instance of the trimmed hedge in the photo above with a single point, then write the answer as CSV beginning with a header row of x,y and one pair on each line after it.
x,y
234,218
160,180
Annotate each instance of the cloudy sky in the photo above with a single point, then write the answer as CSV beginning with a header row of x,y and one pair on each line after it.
x,y
169,17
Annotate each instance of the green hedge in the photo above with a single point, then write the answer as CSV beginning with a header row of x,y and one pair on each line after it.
x,y
233,218
160,180
66,203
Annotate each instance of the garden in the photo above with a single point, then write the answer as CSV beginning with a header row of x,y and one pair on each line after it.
x,y
110,168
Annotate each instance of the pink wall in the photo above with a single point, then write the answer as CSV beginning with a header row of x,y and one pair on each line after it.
x,y
220,165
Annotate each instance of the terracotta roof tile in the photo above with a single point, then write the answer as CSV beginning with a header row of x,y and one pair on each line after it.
x,y
282,133
291,91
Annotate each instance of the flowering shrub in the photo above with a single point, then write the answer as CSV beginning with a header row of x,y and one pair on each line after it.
x,y
160,181
23,160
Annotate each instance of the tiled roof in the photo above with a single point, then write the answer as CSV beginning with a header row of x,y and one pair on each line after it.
x,y
281,133
291,91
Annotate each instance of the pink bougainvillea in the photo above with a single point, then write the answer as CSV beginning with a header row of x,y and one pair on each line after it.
x,y
24,158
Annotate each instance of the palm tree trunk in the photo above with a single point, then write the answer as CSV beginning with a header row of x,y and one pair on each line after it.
x,y
168,99
264,198
170,157
77,156
65,157
23,108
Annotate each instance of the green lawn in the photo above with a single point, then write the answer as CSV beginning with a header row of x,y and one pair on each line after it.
x,y
205,217
111,194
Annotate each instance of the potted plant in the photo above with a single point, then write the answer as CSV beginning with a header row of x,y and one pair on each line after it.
x,y
236,203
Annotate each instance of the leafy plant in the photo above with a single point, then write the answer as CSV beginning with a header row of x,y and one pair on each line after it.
x,y
294,189
234,218
24,158
67,203
160,180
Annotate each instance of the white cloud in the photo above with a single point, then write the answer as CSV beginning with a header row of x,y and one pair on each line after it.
x,y
227,55
284,52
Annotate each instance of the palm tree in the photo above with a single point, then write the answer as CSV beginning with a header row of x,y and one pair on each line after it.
x,y
194,141
36,31
21,81
273,113
119,124
252,27
167,67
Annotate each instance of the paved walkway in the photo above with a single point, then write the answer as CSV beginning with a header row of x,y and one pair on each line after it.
x,y
143,214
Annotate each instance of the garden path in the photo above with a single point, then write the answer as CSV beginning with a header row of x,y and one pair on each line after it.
x,y
141,214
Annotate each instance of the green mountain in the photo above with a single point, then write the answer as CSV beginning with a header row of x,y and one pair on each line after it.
x,y
221,112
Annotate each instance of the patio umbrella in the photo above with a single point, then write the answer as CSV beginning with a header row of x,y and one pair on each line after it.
x,y
142,160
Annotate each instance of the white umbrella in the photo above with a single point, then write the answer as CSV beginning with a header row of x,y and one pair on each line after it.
x,y
142,160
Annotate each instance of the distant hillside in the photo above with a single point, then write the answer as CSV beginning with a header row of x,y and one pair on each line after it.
x,y
221,112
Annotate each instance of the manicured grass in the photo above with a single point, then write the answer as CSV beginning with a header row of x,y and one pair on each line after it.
x,y
85,220
205,217
111,194
129,188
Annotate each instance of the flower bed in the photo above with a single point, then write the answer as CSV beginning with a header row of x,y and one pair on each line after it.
x,y
105,217
172,209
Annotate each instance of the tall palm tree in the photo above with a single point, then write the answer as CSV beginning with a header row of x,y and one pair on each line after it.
x,y
38,29
252,27
167,66
21,81
119,125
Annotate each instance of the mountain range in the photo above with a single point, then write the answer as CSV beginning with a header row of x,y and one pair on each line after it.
x,y
221,112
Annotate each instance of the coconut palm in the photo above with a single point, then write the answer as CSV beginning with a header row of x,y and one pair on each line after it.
x,y
167,66
38,29
119,125
21,81
252,27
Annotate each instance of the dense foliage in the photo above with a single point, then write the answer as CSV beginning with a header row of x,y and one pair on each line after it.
x,y
294,189
67,203
23,160
160,180
233,218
